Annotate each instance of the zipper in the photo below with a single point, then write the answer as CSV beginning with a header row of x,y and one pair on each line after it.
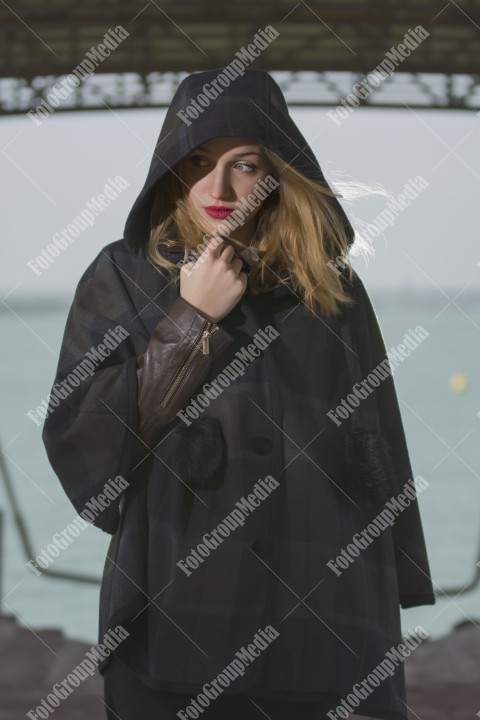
x,y
203,345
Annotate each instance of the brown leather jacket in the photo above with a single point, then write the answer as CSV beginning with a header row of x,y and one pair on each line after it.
x,y
177,358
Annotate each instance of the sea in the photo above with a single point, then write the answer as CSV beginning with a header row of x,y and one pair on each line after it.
x,y
438,387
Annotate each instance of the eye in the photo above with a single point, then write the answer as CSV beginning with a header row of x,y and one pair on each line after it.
x,y
247,165
193,159
200,161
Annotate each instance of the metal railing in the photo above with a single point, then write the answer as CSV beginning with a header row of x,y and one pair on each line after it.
x,y
22,529
24,534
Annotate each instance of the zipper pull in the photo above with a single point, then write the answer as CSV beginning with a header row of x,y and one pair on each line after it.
x,y
206,342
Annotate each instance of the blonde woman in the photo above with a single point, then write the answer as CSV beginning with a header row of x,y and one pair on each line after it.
x,y
245,430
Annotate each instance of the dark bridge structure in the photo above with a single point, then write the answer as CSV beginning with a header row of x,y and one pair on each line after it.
x,y
134,54
323,49
112,54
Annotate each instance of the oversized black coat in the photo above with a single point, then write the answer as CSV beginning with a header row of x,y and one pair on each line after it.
x,y
329,480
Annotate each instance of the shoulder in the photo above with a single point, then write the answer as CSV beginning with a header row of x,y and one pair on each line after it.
x,y
111,260
120,279
354,287
118,265
360,314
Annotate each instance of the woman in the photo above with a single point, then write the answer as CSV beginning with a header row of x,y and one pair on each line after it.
x,y
241,471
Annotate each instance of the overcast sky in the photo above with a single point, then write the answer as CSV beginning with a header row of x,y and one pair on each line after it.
x,y
48,173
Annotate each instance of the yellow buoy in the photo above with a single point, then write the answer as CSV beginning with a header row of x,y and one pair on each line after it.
x,y
458,383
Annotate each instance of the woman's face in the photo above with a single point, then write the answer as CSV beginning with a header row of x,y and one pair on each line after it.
x,y
218,174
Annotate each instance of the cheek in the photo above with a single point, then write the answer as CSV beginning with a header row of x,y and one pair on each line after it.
x,y
197,184
245,185
192,191
189,179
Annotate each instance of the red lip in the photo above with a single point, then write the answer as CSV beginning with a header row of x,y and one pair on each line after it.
x,y
217,211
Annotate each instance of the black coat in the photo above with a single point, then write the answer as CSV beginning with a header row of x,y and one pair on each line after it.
x,y
325,481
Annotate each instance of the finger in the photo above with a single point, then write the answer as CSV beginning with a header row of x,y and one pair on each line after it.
x,y
237,264
227,254
187,268
207,250
215,246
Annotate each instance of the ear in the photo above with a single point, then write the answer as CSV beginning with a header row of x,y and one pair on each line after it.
x,y
370,468
202,453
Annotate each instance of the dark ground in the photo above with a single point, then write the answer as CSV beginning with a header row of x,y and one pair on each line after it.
x,y
443,676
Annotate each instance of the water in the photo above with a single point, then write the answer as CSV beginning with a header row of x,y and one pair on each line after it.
x,y
442,430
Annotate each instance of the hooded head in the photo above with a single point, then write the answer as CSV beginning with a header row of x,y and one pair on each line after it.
x,y
209,104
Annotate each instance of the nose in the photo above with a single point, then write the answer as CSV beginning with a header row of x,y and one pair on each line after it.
x,y
220,183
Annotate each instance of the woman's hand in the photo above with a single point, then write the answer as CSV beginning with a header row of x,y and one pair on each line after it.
x,y
214,283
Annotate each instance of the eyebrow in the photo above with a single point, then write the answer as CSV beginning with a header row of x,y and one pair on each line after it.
x,y
249,152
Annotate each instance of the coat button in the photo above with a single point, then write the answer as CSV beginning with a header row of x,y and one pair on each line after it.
x,y
262,547
261,445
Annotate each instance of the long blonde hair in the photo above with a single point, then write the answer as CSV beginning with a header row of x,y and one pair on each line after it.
x,y
298,234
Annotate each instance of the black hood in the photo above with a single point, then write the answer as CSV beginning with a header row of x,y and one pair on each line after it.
x,y
252,106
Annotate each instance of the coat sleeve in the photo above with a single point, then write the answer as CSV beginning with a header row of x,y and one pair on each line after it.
x,y
104,412
413,572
